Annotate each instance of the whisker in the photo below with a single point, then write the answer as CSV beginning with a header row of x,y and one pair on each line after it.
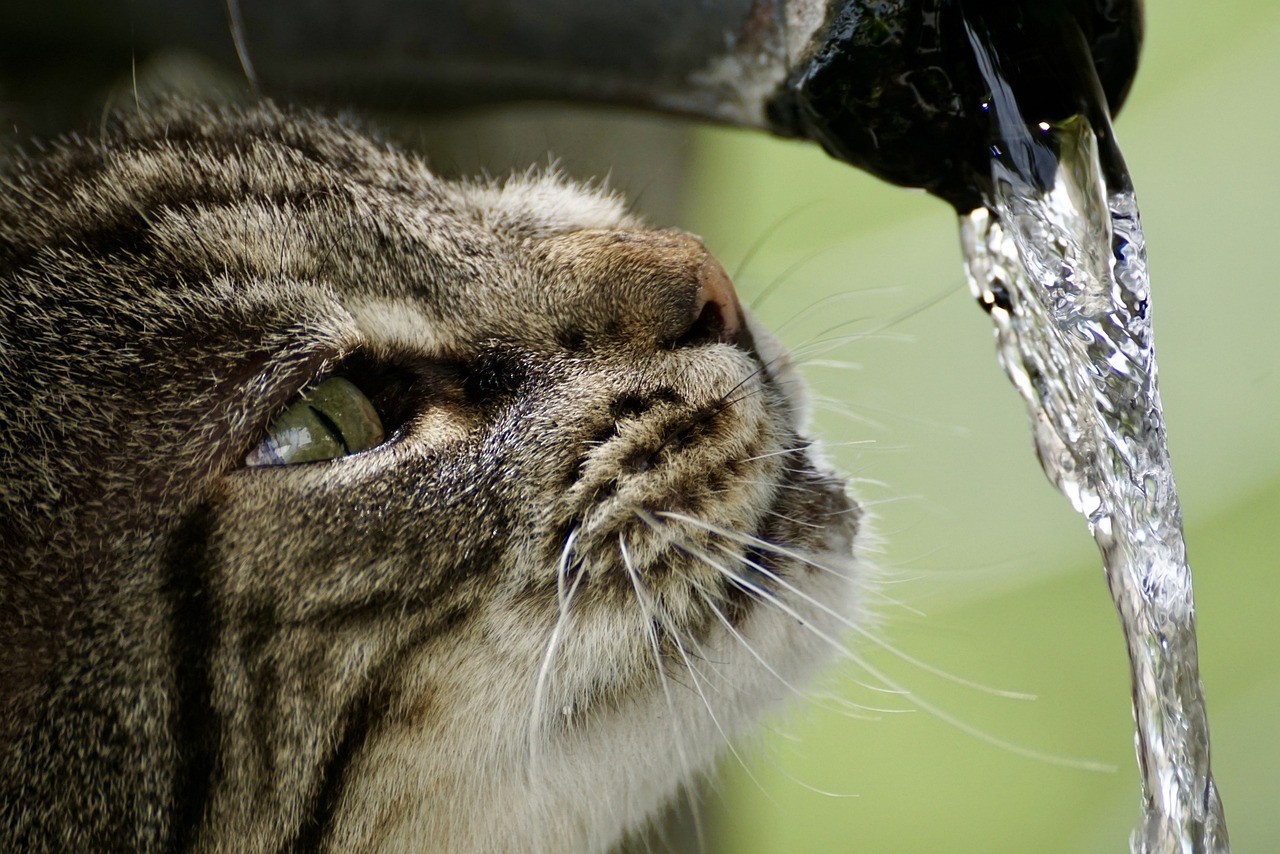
x,y
744,583
765,545
864,423
751,541
764,238
742,640
873,638
820,346
650,614
891,686
563,600
836,299
795,449
841,650
295,223
877,332
925,705
781,330
790,487
809,787
778,280
838,364
648,519
800,522
949,429
749,648
860,710
697,684
351,226
782,452
754,375
236,24
726,402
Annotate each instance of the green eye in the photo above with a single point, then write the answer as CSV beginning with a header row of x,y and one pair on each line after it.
x,y
331,420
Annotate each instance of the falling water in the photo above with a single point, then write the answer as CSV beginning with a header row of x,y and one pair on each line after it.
x,y
1003,108
1057,258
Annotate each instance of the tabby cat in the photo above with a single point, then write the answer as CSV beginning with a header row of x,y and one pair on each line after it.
x,y
347,508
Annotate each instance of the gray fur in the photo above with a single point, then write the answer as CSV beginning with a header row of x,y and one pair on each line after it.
x,y
350,655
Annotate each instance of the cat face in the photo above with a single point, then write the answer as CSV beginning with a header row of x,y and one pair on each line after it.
x,y
586,546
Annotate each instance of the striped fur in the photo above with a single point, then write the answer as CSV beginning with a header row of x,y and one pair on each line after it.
x,y
519,625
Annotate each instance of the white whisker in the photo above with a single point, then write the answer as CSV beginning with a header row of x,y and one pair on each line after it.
x,y
768,233
880,642
765,545
563,599
649,614
749,540
894,320
798,522
894,687
855,416
817,306
789,271
838,364
789,487
728,742
781,452
746,644
821,346
764,595
860,710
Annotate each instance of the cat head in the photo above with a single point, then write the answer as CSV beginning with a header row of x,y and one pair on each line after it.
x,y
362,506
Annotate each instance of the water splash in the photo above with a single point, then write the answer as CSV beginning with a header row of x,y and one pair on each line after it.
x,y
1061,268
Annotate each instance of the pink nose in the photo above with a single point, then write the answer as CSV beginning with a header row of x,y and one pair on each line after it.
x,y
717,316
642,288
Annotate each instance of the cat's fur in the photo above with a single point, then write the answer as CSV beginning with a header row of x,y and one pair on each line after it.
x,y
596,546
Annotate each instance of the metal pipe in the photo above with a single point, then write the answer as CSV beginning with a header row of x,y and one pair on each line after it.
x,y
876,82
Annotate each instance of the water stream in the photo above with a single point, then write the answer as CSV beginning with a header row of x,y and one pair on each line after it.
x,y
1057,258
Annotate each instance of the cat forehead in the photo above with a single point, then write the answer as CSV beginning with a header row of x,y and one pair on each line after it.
x,y
183,194
183,157
284,236
538,204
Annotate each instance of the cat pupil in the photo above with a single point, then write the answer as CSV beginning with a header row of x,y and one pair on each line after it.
x,y
331,420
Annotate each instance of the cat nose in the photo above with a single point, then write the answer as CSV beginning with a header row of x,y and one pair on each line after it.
x,y
651,288
717,317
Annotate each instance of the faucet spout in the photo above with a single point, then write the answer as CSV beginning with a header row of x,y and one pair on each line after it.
x,y
893,88
876,82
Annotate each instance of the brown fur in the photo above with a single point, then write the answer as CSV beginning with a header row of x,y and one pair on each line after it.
x,y
353,655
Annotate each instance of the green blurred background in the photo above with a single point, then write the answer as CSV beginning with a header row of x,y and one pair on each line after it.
x,y
996,580
990,574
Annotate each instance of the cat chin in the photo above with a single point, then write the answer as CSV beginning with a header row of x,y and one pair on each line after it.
x,y
576,775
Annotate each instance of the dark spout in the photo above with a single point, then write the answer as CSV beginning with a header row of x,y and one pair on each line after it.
x,y
885,85
893,87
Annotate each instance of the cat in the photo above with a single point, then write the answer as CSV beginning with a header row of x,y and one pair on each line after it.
x,y
345,507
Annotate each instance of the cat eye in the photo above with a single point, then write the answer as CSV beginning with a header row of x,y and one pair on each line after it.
x,y
330,420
